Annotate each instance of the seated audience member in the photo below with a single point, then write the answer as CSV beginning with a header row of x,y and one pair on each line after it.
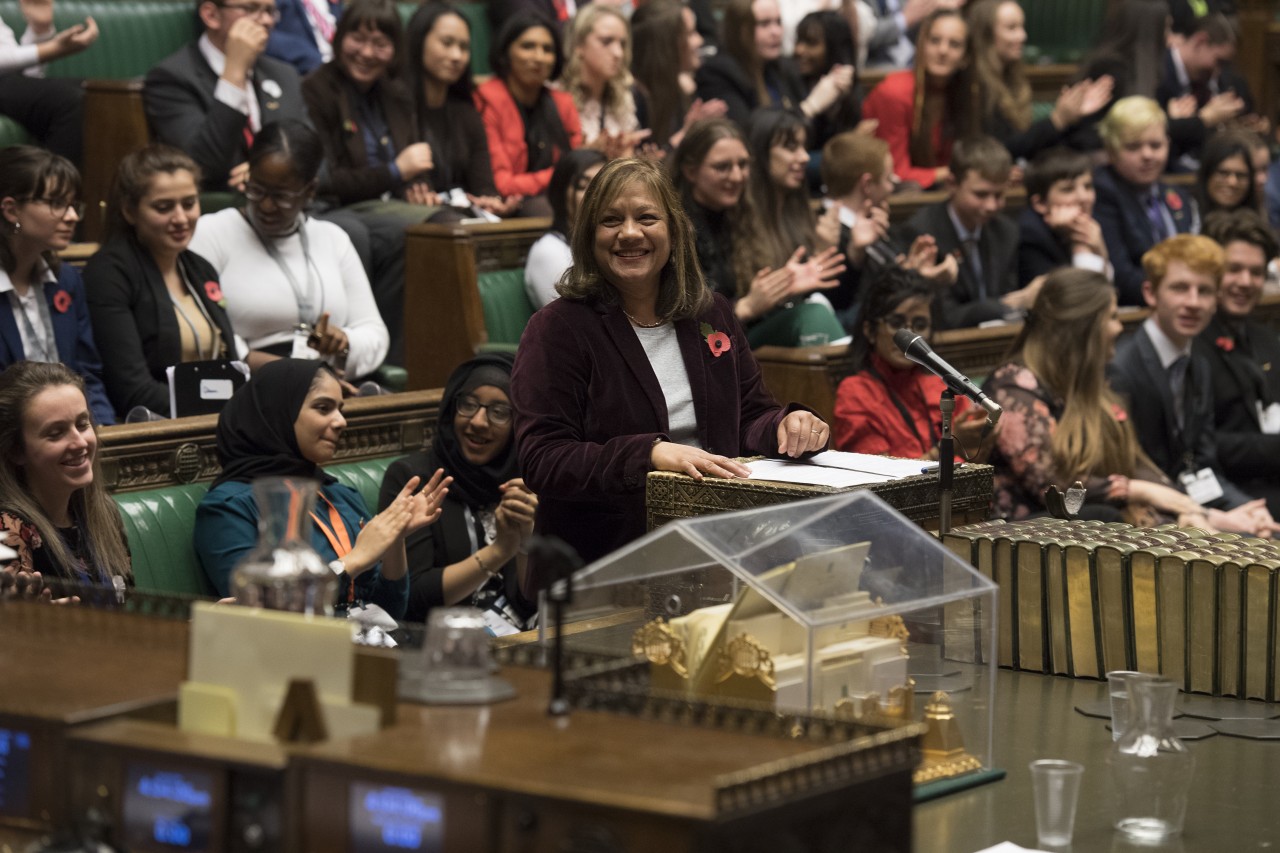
x,y
750,70
286,422
666,54
597,74
439,59
889,404
1003,92
294,285
891,44
1260,158
711,170
475,554
52,111
303,35
824,43
1061,421
1198,63
921,111
529,125
636,325
969,224
54,510
857,18
1135,209
1244,358
44,315
549,256
1226,180
154,303
1167,383
1057,228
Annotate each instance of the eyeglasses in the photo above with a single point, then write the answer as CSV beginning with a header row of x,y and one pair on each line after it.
x,y
919,325
283,199
255,10
1232,174
497,413
59,206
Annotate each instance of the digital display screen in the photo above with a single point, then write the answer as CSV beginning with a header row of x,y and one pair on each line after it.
x,y
386,818
15,764
168,810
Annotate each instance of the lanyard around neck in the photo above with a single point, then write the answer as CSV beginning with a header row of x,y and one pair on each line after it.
x,y
308,312
339,539
46,342
906,415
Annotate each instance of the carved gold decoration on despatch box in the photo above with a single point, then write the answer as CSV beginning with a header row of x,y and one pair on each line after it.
x,y
656,643
745,658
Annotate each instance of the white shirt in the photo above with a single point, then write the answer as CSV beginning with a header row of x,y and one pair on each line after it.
x,y
243,100
663,349
1166,349
38,342
15,55
261,302
548,258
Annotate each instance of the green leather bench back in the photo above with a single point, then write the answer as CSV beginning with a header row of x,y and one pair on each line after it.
x,y
507,308
159,524
1062,30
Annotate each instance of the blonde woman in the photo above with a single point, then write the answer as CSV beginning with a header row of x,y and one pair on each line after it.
x,y
597,74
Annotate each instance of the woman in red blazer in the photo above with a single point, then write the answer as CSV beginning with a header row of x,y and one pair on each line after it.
x,y
637,367
529,124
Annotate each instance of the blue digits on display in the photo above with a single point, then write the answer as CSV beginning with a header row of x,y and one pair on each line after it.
x,y
403,835
172,832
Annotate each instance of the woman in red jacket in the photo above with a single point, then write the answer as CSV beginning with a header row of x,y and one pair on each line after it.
x,y
529,124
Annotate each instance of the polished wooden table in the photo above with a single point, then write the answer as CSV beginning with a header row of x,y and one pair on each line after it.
x,y
1233,804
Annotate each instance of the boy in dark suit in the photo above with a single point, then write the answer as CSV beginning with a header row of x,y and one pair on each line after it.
x,y
1134,208
1057,228
1170,400
969,226
1244,357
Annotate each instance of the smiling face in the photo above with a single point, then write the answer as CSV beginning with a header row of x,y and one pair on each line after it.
x,y
532,57
690,55
787,162
910,314
720,179
768,34
365,54
1076,194
284,195
976,199
811,53
58,446
480,435
1183,302
1228,184
165,217
633,242
1142,156
943,50
447,49
1246,271
601,52
1010,33
320,422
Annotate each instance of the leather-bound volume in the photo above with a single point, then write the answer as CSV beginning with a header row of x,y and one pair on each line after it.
x,y
1171,613
1145,618
1082,609
1258,615
1202,622
1055,585
1032,645
1112,560
1006,608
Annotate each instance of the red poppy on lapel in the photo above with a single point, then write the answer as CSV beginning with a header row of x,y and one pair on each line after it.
x,y
1225,343
349,128
1173,200
62,301
214,292
1119,413
717,342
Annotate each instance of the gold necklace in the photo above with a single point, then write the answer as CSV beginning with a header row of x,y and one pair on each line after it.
x,y
643,325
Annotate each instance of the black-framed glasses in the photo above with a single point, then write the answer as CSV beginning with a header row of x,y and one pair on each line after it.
x,y
254,10
59,206
283,199
918,325
497,413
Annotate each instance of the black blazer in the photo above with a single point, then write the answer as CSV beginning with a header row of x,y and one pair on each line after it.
x,y
1244,372
133,321
1040,249
1228,80
181,109
959,306
1127,231
722,77
1137,374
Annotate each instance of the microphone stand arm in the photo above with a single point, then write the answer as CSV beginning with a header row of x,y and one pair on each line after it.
x,y
946,461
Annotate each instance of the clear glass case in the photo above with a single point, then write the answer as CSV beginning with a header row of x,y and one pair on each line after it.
x,y
837,605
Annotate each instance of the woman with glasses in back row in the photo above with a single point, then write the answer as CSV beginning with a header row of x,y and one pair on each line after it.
x,y
43,312
293,285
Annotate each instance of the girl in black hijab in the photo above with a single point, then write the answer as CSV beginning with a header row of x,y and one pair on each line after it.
x,y
475,554
286,422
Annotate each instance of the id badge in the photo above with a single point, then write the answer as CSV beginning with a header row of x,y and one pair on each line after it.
x,y
1202,486
1269,418
301,349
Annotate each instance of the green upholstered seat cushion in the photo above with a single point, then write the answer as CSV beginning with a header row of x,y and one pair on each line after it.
x,y
135,34
159,524
507,308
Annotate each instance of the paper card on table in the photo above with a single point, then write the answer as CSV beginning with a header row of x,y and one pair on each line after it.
x,y
811,475
885,465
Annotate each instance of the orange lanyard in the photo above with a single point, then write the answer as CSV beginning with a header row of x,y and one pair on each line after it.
x,y
339,539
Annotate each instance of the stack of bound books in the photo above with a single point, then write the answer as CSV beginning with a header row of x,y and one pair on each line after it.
x,y
1083,598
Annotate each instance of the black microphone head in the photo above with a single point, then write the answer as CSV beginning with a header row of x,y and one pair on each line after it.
x,y
904,338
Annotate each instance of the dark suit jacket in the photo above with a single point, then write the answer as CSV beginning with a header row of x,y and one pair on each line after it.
x,y
1227,81
292,39
181,109
1039,248
137,332
1138,375
722,77
959,305
1244,374
72,332
589,406
1127,231
330,98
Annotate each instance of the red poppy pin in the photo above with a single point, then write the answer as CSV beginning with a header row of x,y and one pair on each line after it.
x,y
214,292
1119,413
62,301
717,342
1225,343
1173,200
349,128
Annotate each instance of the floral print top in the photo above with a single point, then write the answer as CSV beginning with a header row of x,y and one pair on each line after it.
x,y
22,536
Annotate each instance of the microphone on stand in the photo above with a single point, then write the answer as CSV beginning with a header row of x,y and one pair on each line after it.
x,y
915,347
